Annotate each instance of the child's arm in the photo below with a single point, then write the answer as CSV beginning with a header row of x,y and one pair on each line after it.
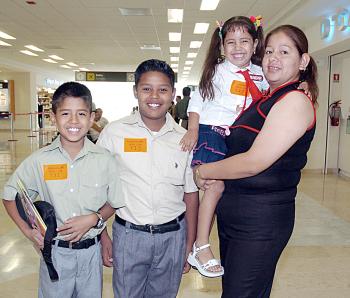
x,y
192,202
190,139
107,249
32,234
77,226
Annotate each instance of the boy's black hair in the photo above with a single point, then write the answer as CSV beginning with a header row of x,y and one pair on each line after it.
x,y
186,91
155,65
71,89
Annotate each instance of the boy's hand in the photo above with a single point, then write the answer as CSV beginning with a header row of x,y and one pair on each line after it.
x,y
189,140
77,226
187,266
35,236
107,249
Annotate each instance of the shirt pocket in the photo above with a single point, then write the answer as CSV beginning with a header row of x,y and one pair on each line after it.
x,y
173,169
93,191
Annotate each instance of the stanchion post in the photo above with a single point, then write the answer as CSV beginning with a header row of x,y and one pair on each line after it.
x,y
31,126
12,129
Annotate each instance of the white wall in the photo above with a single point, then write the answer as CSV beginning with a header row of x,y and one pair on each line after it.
x,y
23,100
344,140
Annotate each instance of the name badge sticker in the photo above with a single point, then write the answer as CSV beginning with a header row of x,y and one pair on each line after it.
x,y
238,88
258,78
55,172
135,145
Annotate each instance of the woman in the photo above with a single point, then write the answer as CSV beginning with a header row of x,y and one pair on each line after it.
x,y
266,150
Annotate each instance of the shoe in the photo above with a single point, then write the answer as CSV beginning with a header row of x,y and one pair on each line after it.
x,y
203,268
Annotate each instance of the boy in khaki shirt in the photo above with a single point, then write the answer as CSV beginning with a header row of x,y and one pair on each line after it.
x,y
77,178
154,232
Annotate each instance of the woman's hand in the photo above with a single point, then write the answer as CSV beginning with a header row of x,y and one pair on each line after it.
x,y
189,140
202,184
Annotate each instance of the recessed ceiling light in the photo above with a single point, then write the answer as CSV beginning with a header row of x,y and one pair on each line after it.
x,y
50,61
174,50
174,36
195,44
175,15
174,65
83,69
209,4
5,44
65,66
56,57
188,62
71,64
135,11
29,53
174,59
191,55
201,28
150,47
6,36
33,48
187,67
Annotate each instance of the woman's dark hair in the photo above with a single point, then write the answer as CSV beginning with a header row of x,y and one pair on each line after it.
x,y
155,65
214,56
71,89
300,41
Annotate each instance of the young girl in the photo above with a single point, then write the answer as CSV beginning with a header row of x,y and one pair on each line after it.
x,y
227,87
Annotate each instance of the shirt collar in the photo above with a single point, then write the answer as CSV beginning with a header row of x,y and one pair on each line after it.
x,y
234,68
169,125
88,146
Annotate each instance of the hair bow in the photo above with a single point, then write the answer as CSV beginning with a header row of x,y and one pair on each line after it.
x,y
220,24
257,21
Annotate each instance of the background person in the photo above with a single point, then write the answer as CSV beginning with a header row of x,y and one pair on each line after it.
x,y
267,149
98,125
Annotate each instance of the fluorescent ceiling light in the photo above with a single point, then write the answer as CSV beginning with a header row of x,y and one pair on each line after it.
x,y
56,57
50,60
65,66
29,53
71,64
33,48
185,72
174,36
174,65
5,44
174,50
135,11
201,28
150,47
175,15
209,4
6,36
83,69
191,55
174,59
188,62
195,44
187,67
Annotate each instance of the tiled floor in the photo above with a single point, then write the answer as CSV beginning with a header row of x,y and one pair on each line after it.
x,y
316,262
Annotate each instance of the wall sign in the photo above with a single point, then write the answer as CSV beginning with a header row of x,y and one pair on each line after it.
x,y
336,77
339,21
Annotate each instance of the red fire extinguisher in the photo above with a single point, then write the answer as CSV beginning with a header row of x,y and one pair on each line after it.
x,y
334,112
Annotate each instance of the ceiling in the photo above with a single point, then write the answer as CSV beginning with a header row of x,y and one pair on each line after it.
x,y
94,35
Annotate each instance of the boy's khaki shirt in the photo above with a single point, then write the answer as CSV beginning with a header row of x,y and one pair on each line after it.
x,y
155,172
74,187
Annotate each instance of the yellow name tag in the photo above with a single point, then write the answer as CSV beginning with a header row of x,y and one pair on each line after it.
x,y
238,88
55,172
135,145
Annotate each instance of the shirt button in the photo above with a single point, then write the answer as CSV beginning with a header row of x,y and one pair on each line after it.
x,y
71,190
